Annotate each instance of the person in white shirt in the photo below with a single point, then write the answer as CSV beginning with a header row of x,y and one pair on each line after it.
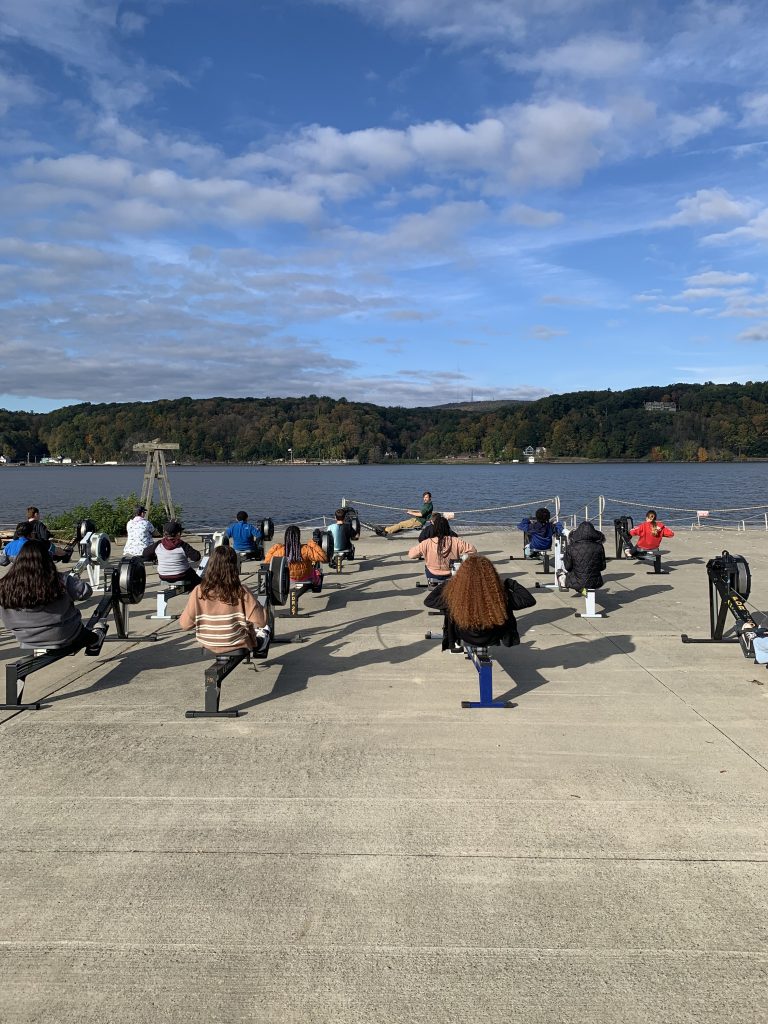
x,y
140,533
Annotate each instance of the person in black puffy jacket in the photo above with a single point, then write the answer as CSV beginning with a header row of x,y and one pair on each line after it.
x,y
584,558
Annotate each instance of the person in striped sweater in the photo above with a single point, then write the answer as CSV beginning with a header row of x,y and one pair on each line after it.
x,y
224,614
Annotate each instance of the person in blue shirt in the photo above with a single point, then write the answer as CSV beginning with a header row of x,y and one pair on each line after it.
x,y
540,530
243,536
23,533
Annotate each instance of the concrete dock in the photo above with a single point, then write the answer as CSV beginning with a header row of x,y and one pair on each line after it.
x,y
356,848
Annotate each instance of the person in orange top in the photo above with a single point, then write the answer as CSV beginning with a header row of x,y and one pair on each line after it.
x,y
301,557
648,535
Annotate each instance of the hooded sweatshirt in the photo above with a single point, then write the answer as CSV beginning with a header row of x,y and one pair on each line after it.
x,y
173,557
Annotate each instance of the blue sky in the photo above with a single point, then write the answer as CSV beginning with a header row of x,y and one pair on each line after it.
x,y
401,201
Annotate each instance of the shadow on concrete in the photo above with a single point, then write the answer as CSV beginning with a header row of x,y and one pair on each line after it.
x,y
169,655
324,662
566,656
610,601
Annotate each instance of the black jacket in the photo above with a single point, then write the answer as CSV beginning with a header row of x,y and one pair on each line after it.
x,y
584,558
506,633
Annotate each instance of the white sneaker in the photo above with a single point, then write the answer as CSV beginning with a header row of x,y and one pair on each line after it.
x,y
263,636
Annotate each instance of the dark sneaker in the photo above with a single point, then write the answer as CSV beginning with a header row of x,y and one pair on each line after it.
x,y
379,531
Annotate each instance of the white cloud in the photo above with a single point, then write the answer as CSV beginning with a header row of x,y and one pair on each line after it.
x,y
677,129
755,230
755,110
437,231
17,91
76,256
129,200
709,205
556,142
710,293
718,279
543,333
519,213
461,22
445,142
550,142
130,23
759,333
584,56
81,170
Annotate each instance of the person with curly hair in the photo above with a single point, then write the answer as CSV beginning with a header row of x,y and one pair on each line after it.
x,y
37,602
302,558
439,550
477,605
224,614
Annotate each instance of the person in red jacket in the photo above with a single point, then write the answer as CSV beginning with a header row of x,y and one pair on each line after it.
x,y
648,535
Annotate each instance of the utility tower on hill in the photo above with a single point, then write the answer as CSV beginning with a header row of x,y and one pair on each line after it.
x,y
156,469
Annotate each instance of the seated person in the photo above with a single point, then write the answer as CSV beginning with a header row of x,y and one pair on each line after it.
x,y
440,550
139,532
37,602
302,558
21,535
540,530
174,557
224,614
584,559
429,529
648,535
420,517
341,531
477,606
243,536
41,532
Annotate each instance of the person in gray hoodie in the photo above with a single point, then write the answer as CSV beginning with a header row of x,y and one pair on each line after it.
x,y
37,602
174,557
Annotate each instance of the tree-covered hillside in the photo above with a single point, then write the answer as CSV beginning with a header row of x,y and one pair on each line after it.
x,y
724,421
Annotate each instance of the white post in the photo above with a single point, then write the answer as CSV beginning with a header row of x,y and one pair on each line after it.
x,y
600,510
590,611
557,511
765,516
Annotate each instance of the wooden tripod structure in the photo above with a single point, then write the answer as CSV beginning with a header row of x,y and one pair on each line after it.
x,y
156,469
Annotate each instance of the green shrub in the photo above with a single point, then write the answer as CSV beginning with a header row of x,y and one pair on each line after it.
x,y
110,516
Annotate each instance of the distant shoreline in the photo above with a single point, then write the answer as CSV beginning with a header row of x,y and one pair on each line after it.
x,y
303,464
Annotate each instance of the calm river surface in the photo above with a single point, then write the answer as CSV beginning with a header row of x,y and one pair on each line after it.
x,y
209,495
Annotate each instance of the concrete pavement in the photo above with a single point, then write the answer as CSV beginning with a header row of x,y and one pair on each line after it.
x,y
356,847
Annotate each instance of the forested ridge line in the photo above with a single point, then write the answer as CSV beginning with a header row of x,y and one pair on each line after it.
x,y
710,422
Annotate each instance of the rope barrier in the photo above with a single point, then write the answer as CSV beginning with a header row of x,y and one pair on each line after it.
x,y
463,512
671,508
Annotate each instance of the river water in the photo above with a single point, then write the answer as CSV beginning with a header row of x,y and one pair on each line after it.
x,y
211,495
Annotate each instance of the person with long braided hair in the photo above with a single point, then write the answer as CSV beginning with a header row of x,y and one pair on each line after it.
x,y
439,550
477,606
302,558
37,602
224,614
